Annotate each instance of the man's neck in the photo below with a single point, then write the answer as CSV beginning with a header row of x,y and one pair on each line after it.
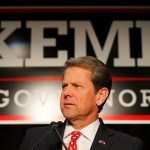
x,y
79,124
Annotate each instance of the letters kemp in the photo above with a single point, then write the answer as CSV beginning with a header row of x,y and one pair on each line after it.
x,y
82,30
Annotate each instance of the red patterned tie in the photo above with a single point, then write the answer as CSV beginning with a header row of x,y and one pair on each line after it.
x,y
74,137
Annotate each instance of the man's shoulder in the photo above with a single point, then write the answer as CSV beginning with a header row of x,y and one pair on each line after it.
x,y
121,136
39,128
44,128
119,139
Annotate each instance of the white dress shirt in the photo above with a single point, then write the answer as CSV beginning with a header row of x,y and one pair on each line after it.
x,y
87,135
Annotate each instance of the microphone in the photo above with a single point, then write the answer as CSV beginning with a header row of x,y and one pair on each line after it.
x,y
53,125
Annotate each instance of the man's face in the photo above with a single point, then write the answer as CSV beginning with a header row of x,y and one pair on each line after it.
x,y
78,100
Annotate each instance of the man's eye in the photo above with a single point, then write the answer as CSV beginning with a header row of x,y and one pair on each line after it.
x,y
63,86
77,86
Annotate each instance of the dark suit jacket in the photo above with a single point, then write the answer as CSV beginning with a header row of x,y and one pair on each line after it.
x,y
105,139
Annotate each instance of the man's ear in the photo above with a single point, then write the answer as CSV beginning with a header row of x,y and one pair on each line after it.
x,y
102,95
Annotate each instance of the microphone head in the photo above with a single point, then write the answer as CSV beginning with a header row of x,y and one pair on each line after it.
x,y
59,123
52,123
56,124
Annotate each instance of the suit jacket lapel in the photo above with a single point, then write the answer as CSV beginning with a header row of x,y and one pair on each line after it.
x,y
102,138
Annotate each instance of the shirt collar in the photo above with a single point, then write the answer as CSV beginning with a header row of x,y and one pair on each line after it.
x,y
93,127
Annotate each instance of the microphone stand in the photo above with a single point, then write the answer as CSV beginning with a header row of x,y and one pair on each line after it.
x,y
53,125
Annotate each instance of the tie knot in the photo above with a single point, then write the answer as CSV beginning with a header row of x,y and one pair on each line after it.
x,y
75,135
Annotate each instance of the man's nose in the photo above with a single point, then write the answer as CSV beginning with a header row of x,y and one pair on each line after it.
x,y
67,91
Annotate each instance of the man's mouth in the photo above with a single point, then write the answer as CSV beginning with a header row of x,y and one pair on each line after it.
x,y
68,105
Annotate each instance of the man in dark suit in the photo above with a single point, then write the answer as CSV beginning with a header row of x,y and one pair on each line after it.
x,y
86,86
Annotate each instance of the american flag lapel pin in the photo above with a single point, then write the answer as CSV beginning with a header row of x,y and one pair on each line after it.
x,y
102,142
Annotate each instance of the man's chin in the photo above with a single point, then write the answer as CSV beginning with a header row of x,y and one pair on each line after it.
x,y
68,116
